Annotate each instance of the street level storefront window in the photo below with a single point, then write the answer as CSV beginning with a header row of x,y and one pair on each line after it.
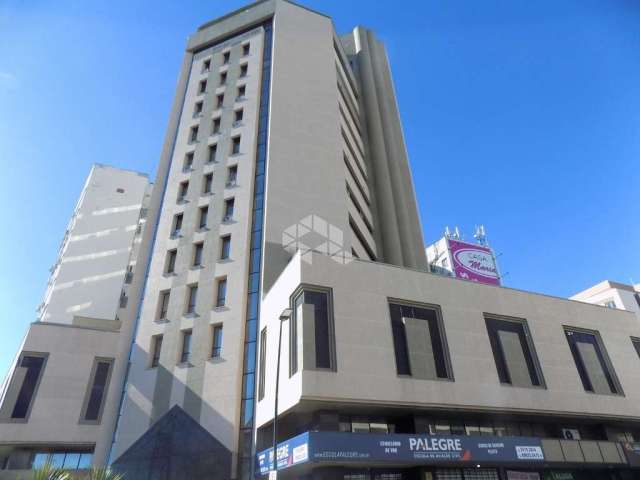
x,y
311,330
419,341
592,362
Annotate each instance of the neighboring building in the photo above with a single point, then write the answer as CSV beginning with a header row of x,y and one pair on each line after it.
x,y
613,295
453,257
284,199
60,398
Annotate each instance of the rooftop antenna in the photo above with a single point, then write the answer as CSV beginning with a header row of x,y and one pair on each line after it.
x,y
447,232
480,235
456,233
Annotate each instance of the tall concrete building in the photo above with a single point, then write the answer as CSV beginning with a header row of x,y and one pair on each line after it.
x,y
283,232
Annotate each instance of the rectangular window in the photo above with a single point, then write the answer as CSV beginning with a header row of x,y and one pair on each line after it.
x,y
197,254
202,220
242,91
246,49
207,182
163,304
593,364
170,262
235,145
94,400
219,100
636,345
232,176
156,348
202,87
185,355
312,326
183,189
188,162
225,247
192,295
225,57
206,65
263,362
215,126
513,352
213,149
193,134
228,210
419,343
197,109
29,370
177,225
221,295
216,346
238,114
243,70
223,78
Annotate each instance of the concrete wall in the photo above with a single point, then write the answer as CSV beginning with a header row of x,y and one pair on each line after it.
x,y
55,417
366,370
87,278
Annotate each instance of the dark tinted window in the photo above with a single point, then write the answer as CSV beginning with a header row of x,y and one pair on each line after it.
x,y
512,353
263,357
418,341
98,388
636,344
34,365
591,362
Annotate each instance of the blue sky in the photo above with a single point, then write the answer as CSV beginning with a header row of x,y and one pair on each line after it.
x,y
524,116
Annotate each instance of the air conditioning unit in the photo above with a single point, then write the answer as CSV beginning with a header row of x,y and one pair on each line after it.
x,y
570,434
227,218
231,183
176,233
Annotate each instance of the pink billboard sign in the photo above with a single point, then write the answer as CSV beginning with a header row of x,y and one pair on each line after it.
x,y
474,262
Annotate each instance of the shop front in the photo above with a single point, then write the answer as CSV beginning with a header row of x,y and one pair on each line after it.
x,y
355,456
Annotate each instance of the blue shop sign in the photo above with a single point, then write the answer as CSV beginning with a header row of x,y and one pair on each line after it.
x,y
400,448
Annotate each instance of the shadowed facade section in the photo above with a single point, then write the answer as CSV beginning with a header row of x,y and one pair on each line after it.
x,y
175,447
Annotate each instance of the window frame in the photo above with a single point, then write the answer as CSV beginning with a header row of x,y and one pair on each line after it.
x,y
293,330
535,361
603,356
155,351
262,362
191,300
187,332
170,261
88,391
216,352
225,241
163,294
7,411
198,254
221,281
635,342
441,334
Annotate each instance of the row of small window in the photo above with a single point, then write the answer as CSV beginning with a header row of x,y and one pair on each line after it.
x,y
191,299
238,114
185,356
203,217
421,350
222,79
225,57
196,257
29,371
207,183
215,130
63,460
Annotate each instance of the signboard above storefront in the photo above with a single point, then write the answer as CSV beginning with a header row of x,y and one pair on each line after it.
x,y
335,447
473,262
